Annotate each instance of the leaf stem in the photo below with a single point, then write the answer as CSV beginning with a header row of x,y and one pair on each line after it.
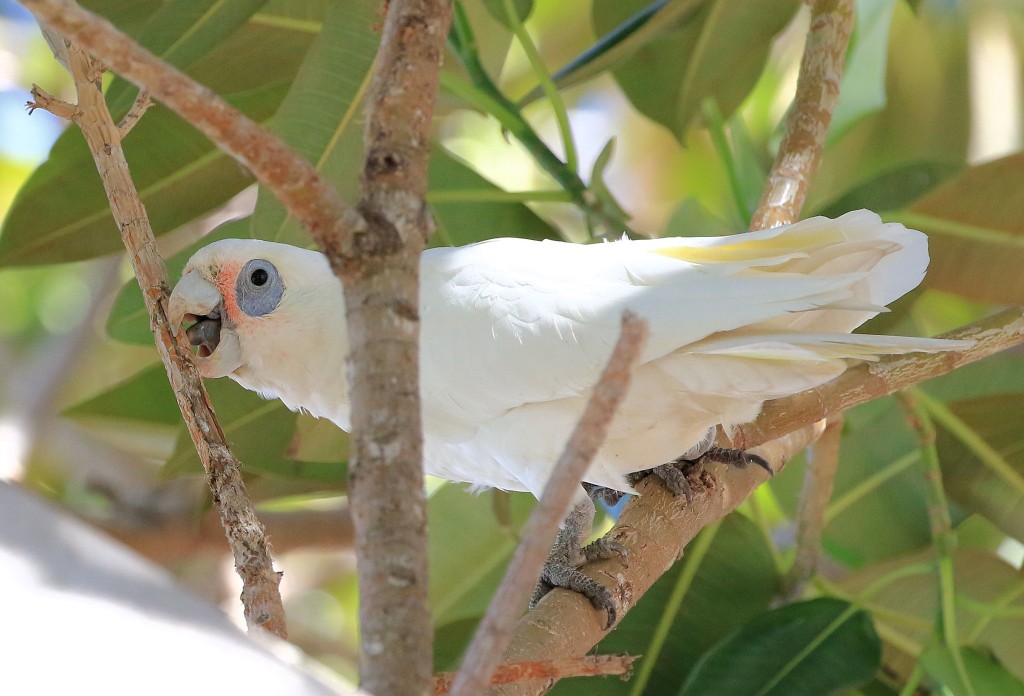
x,y
550,91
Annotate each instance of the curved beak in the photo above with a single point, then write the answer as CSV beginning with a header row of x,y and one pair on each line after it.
x,y
197,300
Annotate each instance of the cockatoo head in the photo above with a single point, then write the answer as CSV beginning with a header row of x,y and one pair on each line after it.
x,y
258,310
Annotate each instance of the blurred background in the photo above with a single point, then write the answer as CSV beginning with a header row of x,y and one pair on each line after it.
x,y
664,121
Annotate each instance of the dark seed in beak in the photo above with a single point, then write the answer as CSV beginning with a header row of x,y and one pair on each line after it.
x,y
205,335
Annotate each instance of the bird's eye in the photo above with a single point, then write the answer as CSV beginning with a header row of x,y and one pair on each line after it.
x,y
259,288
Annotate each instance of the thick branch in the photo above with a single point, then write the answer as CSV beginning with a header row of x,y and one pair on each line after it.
x,y
260,596
654,528
292,179
817,93
381,281
495,630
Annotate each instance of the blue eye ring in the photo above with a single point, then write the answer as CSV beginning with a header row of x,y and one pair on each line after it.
x,y
259,288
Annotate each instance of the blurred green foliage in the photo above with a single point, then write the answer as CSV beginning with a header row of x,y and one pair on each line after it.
x,y
693,93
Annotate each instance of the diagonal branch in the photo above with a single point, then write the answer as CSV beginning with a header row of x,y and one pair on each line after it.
x,y
495,630
293,180
246,537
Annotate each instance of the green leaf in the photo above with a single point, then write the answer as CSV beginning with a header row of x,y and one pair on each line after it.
x,y
621,41
716,52
464,574
862,90
823,646
62,214
321,118
988,596
725,578
459,199
146,396
926,118
985,675
497,9
982,456
128,320
258,431
892,189
975,223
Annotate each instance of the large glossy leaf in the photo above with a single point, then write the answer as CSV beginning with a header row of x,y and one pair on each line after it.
x,y
718,52
883,512
322,115
179,174
989,484
725,579
146,397
259,432
823,646
988,598
62,214
469,549
976,225
458,197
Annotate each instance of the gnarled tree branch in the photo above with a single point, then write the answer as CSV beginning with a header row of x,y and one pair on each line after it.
x,y
260,596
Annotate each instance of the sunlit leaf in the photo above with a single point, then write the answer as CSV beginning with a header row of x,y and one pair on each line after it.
x,y
321,118
459,198
146,396
717,52
62,213
975,222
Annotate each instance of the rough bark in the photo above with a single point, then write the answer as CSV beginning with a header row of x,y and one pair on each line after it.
x,y
817,94
381,281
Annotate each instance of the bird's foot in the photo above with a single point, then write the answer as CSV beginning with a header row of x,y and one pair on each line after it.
x,y
677,474
568,554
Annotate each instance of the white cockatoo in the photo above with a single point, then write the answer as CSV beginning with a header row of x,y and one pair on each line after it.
x,y
515,333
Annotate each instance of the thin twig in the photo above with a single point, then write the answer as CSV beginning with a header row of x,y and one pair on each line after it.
x,y
261,598
817,93
140,106
818,484
292,179
586,666
495,630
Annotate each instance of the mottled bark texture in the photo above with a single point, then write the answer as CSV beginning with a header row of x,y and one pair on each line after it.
x,y
817,94
380,272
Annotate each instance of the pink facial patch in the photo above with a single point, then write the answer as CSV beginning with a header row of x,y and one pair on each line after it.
x,y
226,277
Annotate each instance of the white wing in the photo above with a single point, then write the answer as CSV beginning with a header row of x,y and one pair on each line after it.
x,y
512,322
